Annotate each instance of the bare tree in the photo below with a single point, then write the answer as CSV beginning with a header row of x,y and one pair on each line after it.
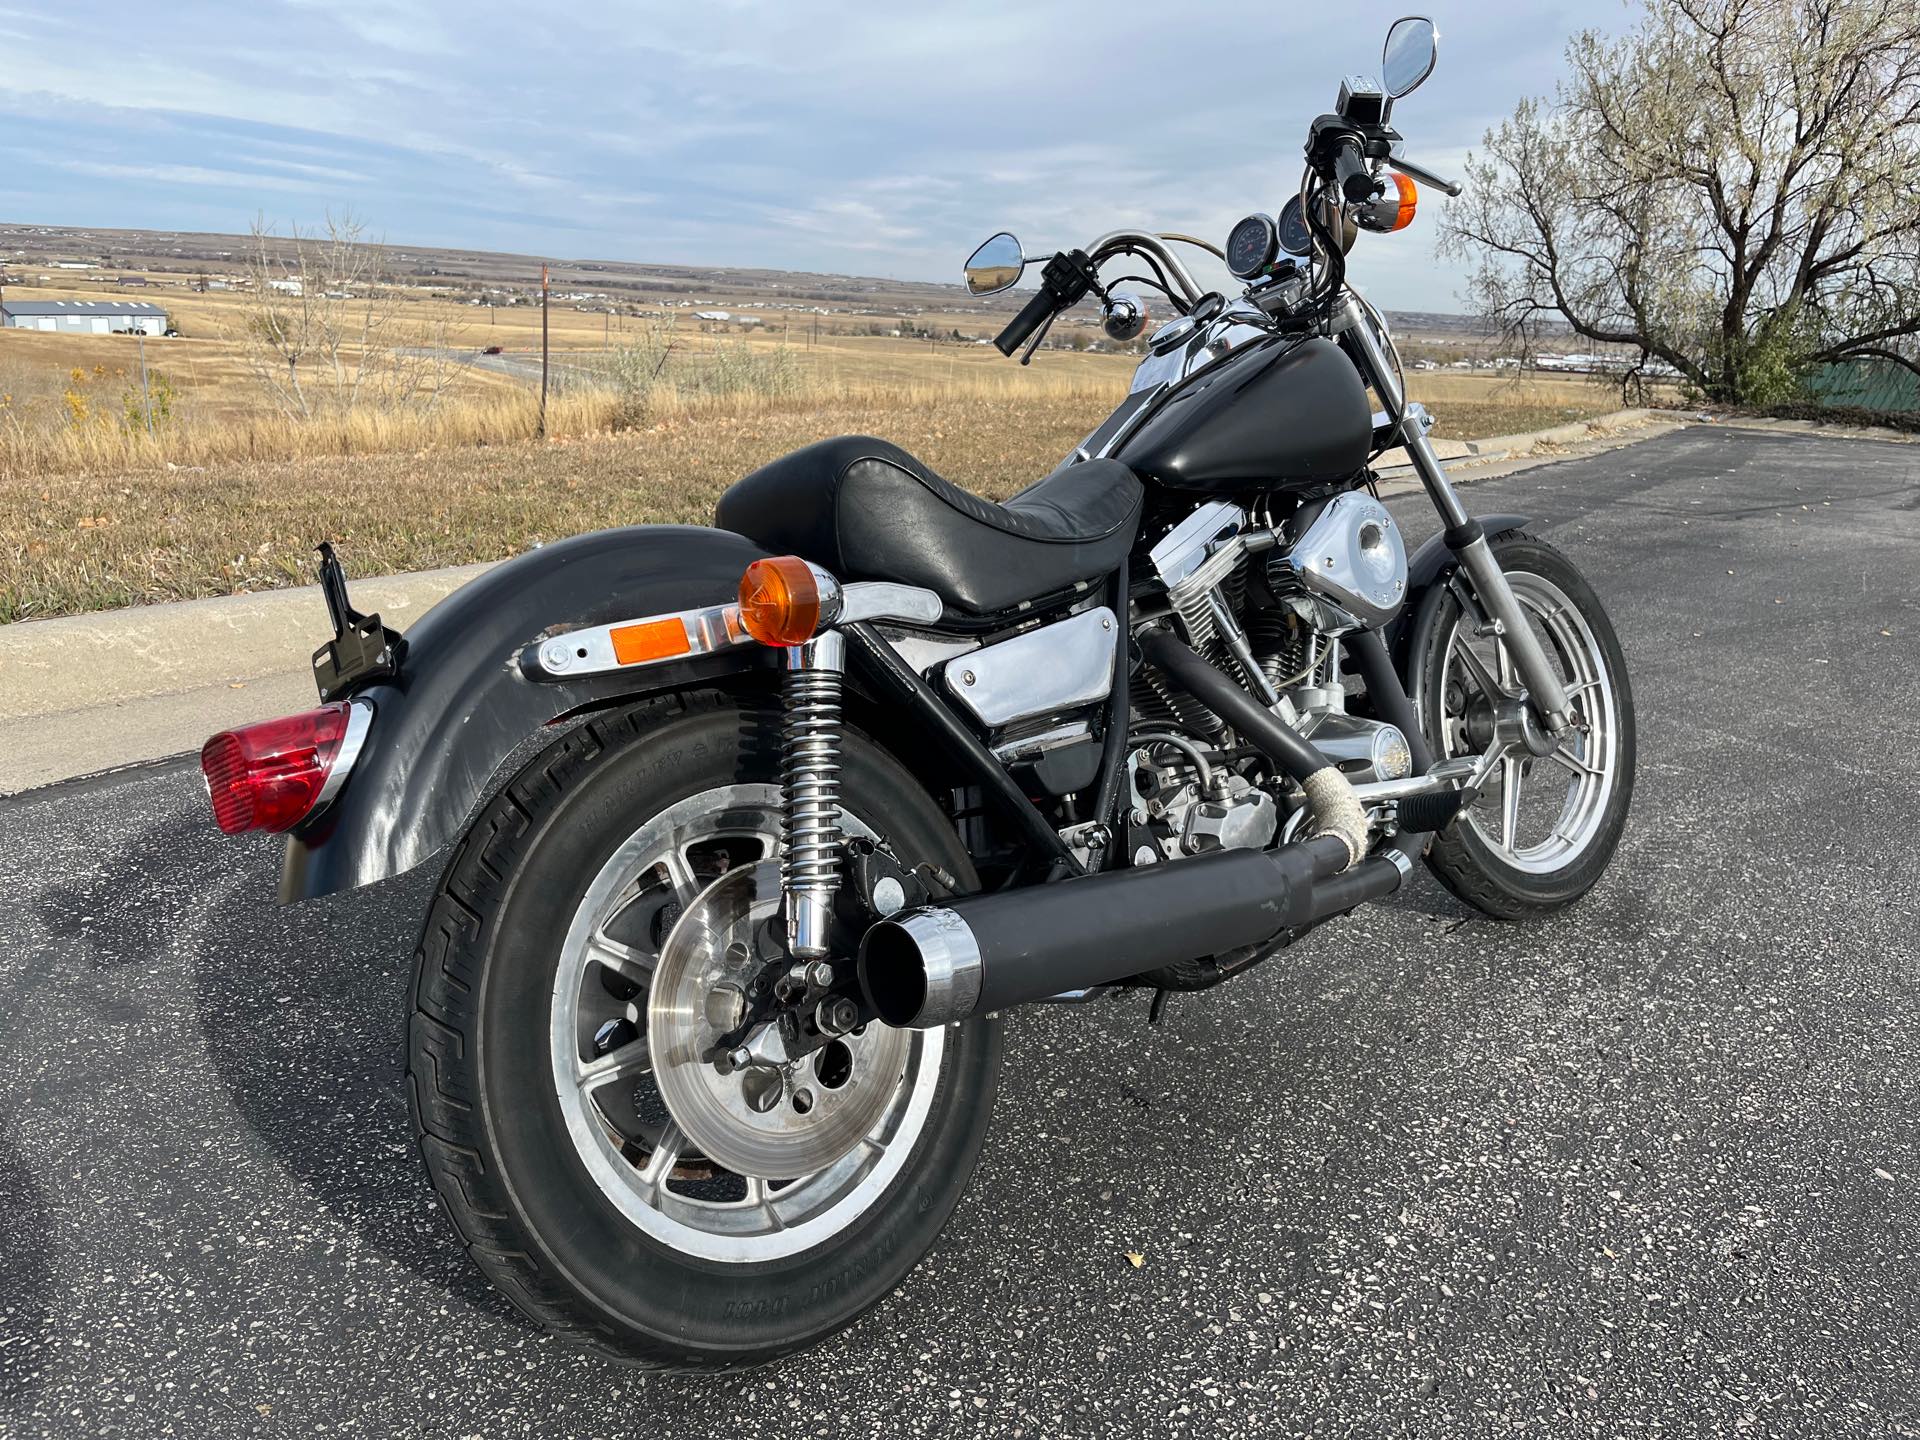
x,y
328,331
1732,188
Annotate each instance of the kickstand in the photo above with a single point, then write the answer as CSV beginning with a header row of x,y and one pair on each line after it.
x,y
1158,1007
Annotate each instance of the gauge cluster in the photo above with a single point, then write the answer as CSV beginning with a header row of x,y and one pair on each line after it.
x,y
1259,243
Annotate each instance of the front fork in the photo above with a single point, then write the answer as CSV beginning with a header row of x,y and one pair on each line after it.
x,y
1463,534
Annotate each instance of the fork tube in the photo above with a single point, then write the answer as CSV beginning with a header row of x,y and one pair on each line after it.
x,y
1464,537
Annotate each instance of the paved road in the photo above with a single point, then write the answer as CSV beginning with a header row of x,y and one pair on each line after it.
x,y
1647,1168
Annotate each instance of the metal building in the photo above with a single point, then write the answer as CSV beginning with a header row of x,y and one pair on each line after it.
x,y
83,317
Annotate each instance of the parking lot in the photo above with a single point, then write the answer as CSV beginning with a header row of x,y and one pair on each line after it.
x,y
1648,1167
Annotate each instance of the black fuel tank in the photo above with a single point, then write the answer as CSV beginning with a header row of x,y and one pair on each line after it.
x,y
1277,412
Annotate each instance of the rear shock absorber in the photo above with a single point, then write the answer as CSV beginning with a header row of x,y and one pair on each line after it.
x,y
810,766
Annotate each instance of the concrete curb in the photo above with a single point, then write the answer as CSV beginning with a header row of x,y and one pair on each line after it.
x,y
1508,447
109,656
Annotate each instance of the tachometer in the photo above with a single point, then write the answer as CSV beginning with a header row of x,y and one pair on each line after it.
x,y
1295,238
1251,246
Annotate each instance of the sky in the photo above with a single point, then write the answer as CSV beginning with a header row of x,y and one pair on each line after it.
x,y
874,138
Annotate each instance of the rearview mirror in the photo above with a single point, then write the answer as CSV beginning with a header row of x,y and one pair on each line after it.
x,y
995,265
1407,58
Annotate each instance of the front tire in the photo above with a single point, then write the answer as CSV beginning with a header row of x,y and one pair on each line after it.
x,y
1544,829
587,1207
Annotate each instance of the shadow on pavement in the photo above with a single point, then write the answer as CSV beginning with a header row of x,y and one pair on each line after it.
x,y
304,1012
26,1238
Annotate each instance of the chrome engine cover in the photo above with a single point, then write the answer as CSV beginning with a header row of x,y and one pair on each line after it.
x,y
1353,557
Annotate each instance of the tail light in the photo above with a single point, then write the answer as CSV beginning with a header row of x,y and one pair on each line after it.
x,y
271,776
780,600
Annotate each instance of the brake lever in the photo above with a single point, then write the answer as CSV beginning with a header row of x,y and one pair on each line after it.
x,y
1038,335
1425,176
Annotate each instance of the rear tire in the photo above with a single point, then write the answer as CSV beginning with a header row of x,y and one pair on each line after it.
x,y
559,1236
1513,865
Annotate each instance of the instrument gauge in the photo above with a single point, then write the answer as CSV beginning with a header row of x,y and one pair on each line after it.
x,y
1294,236
1251,246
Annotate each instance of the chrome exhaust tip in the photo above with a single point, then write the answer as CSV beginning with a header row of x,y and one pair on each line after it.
x,y
921,968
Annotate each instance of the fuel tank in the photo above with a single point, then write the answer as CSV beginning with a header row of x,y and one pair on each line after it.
x,y
1278,412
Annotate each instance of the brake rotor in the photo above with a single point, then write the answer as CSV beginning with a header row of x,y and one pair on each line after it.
x,y
767,1122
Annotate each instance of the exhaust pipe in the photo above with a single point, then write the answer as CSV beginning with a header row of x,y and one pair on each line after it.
x,y
941,963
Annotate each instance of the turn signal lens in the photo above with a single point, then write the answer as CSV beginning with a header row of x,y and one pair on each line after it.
x,y
780,600
269,776
1409,202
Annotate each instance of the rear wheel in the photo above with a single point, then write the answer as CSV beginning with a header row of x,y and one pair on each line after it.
x,y
599,927
1544,827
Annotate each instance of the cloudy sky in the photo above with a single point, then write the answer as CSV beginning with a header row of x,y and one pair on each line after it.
x,y
873,138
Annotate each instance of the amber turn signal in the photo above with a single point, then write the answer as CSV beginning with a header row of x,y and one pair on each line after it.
x,y
1409,202
780,600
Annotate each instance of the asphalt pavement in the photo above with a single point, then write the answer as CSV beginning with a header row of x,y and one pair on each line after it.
x,y
1644,1168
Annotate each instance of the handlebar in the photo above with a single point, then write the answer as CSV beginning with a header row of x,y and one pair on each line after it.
x,y
1035,313
1424,175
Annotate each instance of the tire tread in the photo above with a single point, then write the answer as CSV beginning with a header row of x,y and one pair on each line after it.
x,y
444,1011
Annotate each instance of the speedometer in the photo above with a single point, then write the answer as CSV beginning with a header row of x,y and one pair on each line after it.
x,y
1295,238
1251,246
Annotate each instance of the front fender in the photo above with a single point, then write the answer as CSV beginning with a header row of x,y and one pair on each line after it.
x,y
460,704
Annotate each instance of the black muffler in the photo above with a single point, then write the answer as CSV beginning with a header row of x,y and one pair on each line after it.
x,y
941,963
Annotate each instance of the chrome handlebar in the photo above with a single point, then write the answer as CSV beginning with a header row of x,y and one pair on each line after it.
x,y
1121,242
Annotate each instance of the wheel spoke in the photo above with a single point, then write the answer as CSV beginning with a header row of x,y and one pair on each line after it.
x,y
1510,803
633,1058
686,886
760,1197
621,958
665,1154
1477,667
1567,760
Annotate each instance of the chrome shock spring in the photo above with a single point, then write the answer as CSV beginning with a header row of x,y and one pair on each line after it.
x,y
810,777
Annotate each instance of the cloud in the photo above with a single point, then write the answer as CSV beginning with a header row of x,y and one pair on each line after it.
x,y
739,132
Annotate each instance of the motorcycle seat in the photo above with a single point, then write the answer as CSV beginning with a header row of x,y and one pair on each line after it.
x,y
867,510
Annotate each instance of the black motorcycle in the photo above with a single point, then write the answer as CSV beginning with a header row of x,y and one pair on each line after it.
x,y
756,830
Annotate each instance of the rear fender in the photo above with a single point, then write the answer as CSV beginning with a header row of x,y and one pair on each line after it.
x,y
462,702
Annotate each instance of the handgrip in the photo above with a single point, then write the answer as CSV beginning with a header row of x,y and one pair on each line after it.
x,y
1350,170
1032,316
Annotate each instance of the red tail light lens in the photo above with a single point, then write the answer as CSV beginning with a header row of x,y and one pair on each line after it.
x,y
270,776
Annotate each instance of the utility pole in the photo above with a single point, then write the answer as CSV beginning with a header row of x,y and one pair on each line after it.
x,y
541,432
146,395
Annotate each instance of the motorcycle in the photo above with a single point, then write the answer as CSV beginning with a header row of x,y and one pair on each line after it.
x,y
757,831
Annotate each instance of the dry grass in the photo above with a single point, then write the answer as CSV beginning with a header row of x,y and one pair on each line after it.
x,y
231,497
90,542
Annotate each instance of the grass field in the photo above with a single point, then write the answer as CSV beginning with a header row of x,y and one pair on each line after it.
x,y
228,496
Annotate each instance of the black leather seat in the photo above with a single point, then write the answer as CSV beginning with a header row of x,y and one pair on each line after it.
x,y
867,510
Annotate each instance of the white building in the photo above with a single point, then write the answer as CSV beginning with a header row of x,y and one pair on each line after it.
x,y
83,317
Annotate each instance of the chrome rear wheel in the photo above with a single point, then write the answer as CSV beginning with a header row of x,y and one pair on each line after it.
x,y
664,948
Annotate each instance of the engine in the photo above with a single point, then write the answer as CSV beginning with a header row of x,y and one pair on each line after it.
x,y
1271,613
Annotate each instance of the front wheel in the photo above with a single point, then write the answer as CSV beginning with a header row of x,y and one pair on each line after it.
x,y
582,954
1544,827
